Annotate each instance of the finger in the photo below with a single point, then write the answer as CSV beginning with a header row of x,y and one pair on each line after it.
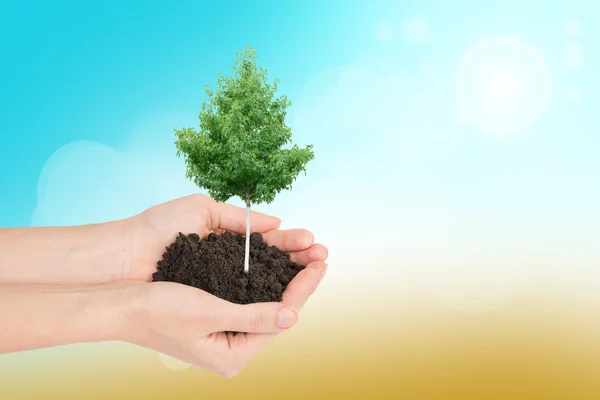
x,y
304,284
254,318
249,345
231,218
295,295
316,252
289,240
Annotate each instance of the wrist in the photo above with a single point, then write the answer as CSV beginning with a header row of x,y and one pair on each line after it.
x,y
97,253
53,315
125,308
74,255
108,311
122,231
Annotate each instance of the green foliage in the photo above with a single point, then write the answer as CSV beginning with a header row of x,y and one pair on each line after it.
x,y
239,149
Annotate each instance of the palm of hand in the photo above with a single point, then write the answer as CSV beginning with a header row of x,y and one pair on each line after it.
x,y
157,227
192,322
153,230
201,342
227,354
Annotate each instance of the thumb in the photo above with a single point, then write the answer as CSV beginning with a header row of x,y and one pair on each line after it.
x,y
256,317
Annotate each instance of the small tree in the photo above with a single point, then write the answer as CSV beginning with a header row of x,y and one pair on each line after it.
x,y
239,149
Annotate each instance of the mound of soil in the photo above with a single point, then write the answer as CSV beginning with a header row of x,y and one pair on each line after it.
x,y
216,265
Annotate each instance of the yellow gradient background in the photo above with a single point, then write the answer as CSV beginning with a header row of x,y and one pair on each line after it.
x,y
362,343
455,184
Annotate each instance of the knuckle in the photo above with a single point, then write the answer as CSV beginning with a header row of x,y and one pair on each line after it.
x,y
204,201
303,240
296,242
255,322
201,197
207,216
197,198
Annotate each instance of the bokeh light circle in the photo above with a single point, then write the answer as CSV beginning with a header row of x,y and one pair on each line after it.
x,y
502,86
572,29
572,56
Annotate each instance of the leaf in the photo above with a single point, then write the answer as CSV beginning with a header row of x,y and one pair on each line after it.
x,y
238,149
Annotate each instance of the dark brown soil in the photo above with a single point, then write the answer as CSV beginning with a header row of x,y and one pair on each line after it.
x,y
216,265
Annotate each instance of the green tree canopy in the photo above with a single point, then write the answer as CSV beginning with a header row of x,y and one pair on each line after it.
x,y
240,148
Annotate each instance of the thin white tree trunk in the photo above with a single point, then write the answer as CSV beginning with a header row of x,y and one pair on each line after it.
x,y
247,254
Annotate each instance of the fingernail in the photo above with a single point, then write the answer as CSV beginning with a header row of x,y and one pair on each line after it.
x,y
322,273
286,317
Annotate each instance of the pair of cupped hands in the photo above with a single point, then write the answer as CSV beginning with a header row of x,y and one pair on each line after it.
x,y
190,324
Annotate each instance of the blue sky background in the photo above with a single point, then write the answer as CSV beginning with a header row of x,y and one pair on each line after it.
x,y
91,93
90,71
74,71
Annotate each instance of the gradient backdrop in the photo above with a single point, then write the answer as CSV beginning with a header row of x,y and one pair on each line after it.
x,y
456,184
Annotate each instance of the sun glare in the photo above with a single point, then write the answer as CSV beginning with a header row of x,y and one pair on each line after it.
x,y
503,86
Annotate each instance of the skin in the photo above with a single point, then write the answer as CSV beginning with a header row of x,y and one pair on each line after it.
x,y
92,283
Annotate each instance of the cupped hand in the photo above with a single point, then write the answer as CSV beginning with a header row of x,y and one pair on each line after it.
x,y
190,324
156,228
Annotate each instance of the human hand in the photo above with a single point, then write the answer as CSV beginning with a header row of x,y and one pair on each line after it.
x,y
175,319
90,267
154,229
190,324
